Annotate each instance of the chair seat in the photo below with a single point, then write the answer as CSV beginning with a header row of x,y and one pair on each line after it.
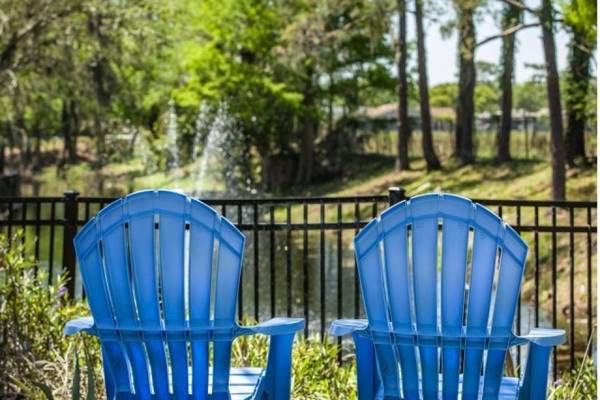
x,y
509,389
242,382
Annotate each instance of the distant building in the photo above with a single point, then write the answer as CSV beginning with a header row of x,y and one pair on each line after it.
x,y
384,117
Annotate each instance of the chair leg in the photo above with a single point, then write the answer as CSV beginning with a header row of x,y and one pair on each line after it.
x,y
366,368
535,380
108,379
221,370
279,367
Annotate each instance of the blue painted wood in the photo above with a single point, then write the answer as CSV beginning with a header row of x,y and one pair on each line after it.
x,y
398,279
371,280
147,264
416,294
454,260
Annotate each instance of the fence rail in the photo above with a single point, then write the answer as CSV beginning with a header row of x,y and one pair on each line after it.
x,y
299,258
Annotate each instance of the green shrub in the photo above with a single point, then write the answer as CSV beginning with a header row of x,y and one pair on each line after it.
x,y
33,349
580,384
316,371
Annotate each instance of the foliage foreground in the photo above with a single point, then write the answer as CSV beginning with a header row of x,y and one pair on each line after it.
x,y
38,362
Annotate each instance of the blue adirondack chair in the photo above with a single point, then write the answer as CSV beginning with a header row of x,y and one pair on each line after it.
x,y
422,321
149,262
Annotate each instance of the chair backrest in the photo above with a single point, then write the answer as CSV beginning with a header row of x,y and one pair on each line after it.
x,y
149,262
450,292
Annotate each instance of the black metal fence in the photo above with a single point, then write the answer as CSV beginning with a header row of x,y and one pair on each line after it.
x,y
300,261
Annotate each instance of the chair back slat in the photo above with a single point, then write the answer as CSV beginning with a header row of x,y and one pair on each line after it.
x,y
455,237
114,241
230,253
139,258
434,289
424,257
371,279
92,264
203,225
171,215
372,285
512,258
397,275
483,268
143,237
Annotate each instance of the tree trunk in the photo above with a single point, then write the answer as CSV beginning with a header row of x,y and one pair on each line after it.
x,y
431,158
306,160
510,18
2,158
37,132
337,161
3,134
74,114
67,132
576,102
23,141
557,144
308,133
70,124
402,161
465,108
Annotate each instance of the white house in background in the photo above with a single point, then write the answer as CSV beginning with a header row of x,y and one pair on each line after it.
x,y
384,117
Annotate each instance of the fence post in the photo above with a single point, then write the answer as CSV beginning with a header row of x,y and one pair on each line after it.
x,y
69,232
396,195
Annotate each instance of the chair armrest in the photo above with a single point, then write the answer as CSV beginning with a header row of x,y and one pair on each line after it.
x,y
343,327
366,367
82,324
546,337
276,381
274,326
535,379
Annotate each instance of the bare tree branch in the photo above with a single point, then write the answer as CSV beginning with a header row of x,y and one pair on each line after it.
x,y
510,31
520,6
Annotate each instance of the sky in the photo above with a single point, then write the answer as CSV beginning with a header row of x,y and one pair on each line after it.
x,y
442,58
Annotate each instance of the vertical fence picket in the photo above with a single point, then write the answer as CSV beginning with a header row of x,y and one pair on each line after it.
x,y
323,298
51,244
305,268
288,258
518,228
536,247
37,222
69,232
571,289
340,282
241,285
356,283
589,273
554,303
272,259
256,247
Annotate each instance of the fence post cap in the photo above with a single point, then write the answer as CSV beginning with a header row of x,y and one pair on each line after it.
x,y
397,190
71,193
396,194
